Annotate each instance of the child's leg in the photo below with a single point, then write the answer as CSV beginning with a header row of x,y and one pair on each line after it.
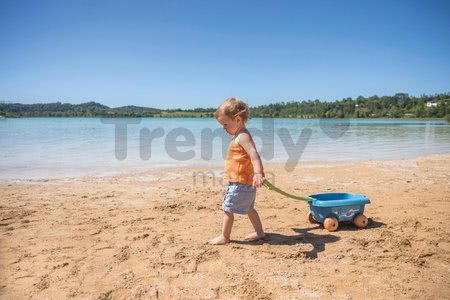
x,y
224,238
256,222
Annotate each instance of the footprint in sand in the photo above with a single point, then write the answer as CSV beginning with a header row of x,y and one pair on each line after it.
x,y
43,283
124,254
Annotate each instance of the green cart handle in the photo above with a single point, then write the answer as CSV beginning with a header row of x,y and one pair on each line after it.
x,y
270,186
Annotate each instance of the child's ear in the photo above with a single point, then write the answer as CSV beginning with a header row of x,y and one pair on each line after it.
x,y
238,119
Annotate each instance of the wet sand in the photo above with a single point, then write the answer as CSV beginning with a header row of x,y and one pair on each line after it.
x,y
143,236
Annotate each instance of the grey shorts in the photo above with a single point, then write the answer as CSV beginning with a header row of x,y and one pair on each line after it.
x,y
239,198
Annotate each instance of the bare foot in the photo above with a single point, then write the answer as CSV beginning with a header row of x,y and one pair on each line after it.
x,y
220,240
253,237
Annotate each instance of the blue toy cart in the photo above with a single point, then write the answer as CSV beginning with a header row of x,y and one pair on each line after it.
x,y
332,208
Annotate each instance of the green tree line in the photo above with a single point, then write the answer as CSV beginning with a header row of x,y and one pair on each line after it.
x,y
397,106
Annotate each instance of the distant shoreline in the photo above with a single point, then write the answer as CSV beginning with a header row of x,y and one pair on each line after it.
x,y
398,106
280,118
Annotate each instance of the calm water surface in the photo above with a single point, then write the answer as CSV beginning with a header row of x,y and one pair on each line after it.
x,y
34,148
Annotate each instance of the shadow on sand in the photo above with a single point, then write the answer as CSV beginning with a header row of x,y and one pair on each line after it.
x,y
348,226
318,241
303,236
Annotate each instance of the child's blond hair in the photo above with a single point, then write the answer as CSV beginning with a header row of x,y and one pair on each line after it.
x,y
233,107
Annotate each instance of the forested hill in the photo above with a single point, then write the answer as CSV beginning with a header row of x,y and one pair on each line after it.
x,y
397,106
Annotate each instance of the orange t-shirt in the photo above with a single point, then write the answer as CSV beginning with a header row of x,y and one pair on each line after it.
x,y
238,166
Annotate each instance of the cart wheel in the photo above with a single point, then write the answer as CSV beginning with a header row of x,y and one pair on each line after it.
x,y
360,221
331,224
311,219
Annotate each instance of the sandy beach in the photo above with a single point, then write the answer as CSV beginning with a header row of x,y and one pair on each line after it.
x,y
143,236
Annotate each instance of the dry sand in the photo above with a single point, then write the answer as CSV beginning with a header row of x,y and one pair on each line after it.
x,y
143,236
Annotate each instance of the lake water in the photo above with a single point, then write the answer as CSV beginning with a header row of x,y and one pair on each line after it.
x,y
34,148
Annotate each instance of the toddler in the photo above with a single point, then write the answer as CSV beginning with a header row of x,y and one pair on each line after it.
x,y
243,171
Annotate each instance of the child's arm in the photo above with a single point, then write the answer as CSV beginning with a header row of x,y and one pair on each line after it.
x,y
245,140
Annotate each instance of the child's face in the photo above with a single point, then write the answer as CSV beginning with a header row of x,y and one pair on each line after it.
x,y
230,125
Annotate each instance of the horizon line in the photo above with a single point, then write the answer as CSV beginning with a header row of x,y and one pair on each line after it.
x,y
277,102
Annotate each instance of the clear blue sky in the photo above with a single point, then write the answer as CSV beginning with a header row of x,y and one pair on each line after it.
x,y
196,53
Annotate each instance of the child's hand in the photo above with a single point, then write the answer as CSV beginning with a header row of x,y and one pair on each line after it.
x,y
258,179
